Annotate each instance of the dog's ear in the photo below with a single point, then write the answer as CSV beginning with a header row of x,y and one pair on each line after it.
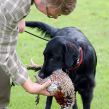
x,y
70,54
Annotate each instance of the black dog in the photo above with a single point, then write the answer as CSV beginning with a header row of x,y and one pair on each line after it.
x,y
70,51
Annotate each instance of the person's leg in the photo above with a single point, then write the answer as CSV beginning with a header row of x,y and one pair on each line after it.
x,y
5,88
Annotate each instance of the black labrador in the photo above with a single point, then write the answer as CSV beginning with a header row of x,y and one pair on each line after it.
x,y
71,51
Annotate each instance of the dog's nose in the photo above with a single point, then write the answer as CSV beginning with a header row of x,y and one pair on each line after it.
x,y
41,75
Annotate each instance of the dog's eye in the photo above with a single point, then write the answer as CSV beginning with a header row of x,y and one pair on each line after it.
x,y
58,58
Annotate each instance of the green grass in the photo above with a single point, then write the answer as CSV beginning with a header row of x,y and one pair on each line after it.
x,y
92,18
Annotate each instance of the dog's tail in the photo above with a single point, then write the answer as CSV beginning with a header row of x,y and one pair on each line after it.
x,y
44,27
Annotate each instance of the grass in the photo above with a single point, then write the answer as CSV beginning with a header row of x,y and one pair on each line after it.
x,y
92,18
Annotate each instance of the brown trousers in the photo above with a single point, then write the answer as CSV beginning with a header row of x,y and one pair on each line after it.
x,y
5,88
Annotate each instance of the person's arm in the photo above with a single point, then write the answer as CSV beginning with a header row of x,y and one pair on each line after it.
x,y
21,26
35,88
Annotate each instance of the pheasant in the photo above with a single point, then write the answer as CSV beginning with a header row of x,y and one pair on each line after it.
x,y
62,88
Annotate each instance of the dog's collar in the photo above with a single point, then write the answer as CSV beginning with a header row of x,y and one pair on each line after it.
x,y
79,61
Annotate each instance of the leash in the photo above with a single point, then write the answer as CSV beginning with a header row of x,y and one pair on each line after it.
x,y
37,36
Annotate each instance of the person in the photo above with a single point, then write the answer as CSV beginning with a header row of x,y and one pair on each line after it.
x,y
11,68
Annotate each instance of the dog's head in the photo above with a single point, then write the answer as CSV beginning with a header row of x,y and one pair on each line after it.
x,y
60,53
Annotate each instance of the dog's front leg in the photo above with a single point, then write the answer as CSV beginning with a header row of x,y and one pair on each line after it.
x,y
86,99
48,102
75,105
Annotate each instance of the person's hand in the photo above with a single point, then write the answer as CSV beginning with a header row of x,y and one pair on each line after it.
x,y
35,88
21,26
43,90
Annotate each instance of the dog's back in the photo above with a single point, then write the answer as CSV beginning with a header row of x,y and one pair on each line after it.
x,y
71,32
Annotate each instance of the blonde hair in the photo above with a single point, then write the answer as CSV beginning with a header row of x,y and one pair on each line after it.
x,y
66,6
